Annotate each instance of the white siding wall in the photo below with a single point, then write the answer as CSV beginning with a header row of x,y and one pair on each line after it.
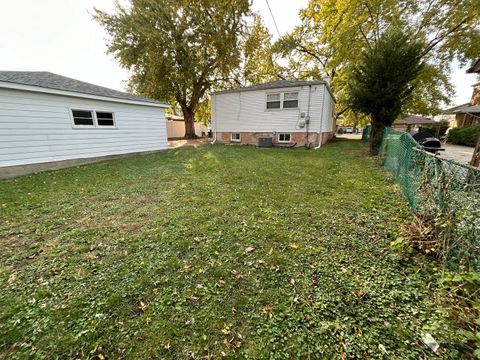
x,y
36,128
246,111
328,125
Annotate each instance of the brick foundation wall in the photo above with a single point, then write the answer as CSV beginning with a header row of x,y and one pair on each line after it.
x,y
298,138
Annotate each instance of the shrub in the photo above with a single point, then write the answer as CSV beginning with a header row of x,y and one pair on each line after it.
x,y
464,136
340,131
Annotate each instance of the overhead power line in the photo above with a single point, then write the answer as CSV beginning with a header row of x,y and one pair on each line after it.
x,y
273,17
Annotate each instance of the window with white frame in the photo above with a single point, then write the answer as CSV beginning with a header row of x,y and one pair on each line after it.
x,y
273,101
83,118
94,119
235,137
105,118
278,101
284,137
290,100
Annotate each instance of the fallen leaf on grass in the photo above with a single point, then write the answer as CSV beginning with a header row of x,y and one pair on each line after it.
x,y
295,246
358,294
142,306
249,249
187,267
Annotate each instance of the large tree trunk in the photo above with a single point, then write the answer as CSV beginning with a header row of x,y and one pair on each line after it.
x,y
189,117
476,154
376,134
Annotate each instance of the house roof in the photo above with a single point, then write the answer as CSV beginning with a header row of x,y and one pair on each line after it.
x,y
463,109
277,84
455,109
413,120
51,81
475,67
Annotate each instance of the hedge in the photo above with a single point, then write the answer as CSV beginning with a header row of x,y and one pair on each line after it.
x,y
465,135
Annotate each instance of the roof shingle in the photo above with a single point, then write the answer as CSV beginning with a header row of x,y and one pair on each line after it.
x,y
277,84
53,81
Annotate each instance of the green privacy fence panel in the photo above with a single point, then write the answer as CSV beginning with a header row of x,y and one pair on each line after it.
x,y
366,133
443,192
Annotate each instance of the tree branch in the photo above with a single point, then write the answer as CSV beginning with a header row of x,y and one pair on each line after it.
x,y
438,39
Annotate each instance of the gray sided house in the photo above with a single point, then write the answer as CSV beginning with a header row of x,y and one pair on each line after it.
x,y
48,121
291,112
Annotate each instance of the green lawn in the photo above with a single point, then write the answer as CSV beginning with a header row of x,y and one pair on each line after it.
x,y
209,252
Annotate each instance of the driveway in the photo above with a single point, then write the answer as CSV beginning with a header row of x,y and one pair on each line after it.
x,y
349,136
459,153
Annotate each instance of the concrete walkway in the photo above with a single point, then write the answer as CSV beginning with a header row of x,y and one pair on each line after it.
x,y
459,153
175,143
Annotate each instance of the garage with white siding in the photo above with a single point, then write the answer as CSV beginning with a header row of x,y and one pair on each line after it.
x,y
290,112
48,121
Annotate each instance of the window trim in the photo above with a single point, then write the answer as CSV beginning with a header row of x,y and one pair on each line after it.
x,y
297,99
284,141
106,126
95,120
282,99
235,140
82,126
279,101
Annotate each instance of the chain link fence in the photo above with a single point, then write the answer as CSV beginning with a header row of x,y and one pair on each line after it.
x,y
444,194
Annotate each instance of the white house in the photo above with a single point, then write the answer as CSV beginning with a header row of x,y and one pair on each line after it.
x,y
48,121
292,113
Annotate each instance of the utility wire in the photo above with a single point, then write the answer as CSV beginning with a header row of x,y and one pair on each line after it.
x,y
273,17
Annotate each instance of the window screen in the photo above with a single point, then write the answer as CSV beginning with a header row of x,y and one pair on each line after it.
x,y
82,117
273,101
105,119
290,100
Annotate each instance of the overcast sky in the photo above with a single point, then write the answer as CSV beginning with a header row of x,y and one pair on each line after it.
x,y
60,36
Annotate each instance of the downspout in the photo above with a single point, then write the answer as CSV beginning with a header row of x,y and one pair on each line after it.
x,y
321,118
214,103
307,118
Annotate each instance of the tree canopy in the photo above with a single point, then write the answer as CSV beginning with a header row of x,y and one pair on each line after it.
x,y
334,33
176,50
384,79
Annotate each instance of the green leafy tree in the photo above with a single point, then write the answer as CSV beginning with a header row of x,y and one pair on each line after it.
x,y
257,64
177,50
384,80
334,33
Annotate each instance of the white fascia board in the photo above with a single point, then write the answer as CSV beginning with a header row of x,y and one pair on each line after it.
x,y
38,89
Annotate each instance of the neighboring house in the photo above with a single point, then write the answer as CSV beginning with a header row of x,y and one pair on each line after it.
x,y
291,112
176,127
413,123
49,121
475,69
465,115
468,114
